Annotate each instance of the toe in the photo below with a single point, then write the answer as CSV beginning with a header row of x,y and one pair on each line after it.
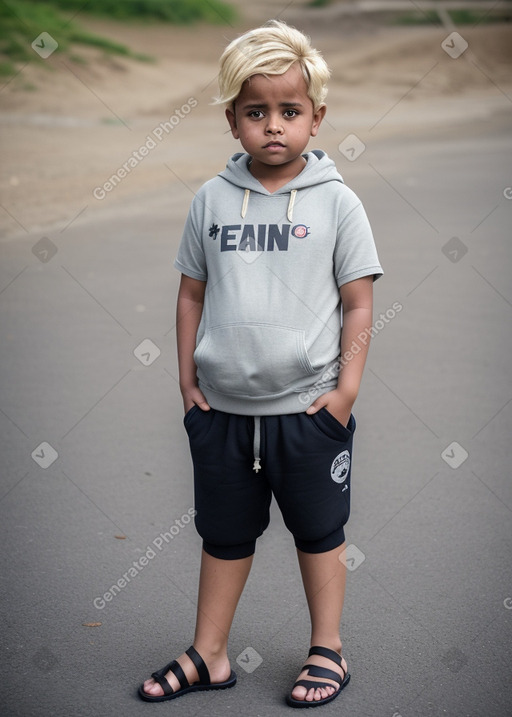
x,y
153,688
299,693
313,694
310,696
316,694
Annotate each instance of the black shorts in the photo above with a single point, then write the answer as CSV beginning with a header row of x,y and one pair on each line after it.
x,y
305,463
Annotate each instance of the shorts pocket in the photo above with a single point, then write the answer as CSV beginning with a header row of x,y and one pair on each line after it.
x,y
189,413
195,425
332,428
252,359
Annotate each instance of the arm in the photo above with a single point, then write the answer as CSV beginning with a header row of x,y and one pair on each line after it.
x,y
357,299
188,315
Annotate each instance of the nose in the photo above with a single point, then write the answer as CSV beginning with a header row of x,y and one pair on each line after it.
x,y
274,125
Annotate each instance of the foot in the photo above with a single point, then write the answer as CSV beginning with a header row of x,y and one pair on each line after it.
x,y
218,667
304,694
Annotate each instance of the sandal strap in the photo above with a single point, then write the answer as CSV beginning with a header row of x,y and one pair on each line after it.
x,y
329,654
326,652
175,668
163,683
179,674
318,671
200,665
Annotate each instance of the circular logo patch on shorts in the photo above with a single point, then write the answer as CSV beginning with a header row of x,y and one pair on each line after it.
x,y
340,467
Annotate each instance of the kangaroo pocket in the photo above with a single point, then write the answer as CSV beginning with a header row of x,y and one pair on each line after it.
x,y
252,359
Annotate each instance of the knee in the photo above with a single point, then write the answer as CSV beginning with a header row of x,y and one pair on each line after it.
x,y
322,545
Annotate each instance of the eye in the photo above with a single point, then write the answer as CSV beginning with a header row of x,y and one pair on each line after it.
x,y
290,113
256,114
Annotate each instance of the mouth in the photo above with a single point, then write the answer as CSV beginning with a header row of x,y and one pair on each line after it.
x,y
273,143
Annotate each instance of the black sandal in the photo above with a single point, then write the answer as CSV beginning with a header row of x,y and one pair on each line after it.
x,y
175,667
317,671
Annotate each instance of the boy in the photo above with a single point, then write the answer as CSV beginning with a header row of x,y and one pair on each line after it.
x,y
270,248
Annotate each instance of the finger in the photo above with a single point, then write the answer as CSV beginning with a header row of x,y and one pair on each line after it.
x,y
203,403
316,406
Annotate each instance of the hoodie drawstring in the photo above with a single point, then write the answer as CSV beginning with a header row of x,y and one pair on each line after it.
x,y
256,443
291,204
245,203
289,212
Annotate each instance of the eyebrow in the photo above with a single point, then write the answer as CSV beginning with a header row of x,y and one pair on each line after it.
x,y
264,105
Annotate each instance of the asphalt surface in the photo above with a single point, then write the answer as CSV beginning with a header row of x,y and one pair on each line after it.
x,y
427,620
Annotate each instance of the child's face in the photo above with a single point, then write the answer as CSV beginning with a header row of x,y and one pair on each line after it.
x,y
273,119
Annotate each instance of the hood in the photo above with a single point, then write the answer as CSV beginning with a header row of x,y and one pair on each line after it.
x,y
318,170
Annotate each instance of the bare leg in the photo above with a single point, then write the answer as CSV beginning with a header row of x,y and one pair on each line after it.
x,y
323,575
221,583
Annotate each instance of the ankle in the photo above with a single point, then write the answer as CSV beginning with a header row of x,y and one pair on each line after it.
x,y
333,643
211,652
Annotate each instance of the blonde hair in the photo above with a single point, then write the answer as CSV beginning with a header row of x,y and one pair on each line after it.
x,y
271,50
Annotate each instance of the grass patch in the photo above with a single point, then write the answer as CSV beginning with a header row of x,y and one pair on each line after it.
x,y
429,17
7,68
179,12
21,21
458,17
470,17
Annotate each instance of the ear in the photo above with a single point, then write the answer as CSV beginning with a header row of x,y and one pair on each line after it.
x,y
317,120
230,116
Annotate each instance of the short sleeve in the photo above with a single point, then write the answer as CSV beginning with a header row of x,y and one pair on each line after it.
x,y
190,259
355,254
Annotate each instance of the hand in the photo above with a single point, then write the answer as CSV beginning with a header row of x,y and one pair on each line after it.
x,y
193,396
336,403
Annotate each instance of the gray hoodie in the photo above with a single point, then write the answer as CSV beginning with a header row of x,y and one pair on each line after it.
x,y
273,262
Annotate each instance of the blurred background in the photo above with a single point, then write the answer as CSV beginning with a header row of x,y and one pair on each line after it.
x,y
106,132
70,119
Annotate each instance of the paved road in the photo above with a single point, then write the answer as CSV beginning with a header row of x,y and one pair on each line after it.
x,y
427,620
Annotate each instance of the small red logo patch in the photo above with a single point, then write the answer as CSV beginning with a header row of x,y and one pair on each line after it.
x,y
300,231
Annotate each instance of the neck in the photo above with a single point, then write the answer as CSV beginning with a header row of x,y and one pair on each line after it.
x,y
273,178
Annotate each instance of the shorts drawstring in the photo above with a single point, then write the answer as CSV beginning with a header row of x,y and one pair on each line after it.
x,y
256,443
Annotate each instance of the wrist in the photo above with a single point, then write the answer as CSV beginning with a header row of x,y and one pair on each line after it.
x,y
188,385
347,393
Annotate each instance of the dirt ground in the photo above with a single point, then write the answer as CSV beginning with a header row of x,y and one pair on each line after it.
x,y
69,124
